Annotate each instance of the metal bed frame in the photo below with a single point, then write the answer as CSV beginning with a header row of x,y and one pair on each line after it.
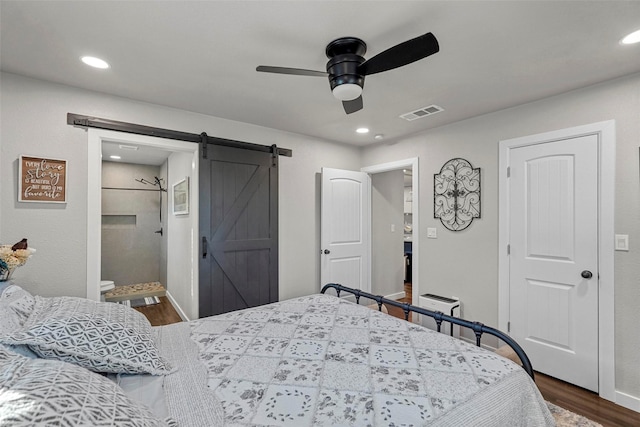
x,y
477,327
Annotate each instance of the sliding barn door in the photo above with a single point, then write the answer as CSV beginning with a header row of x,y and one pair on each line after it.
x,y
238,229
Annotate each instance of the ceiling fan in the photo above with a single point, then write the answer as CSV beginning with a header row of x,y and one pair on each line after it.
x,y
347,68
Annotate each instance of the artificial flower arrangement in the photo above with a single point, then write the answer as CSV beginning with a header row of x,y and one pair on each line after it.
x,y
12,257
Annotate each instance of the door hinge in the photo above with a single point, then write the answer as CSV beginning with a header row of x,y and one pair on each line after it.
x,y
508,171
508,249
203,144
509,326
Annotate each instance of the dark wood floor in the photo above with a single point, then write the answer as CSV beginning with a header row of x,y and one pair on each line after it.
x,y
558,392
160,314
586,403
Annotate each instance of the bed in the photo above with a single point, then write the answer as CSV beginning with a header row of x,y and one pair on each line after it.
x,y
318,360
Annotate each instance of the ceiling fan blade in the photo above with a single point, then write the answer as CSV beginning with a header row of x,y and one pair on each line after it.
x,y
293,71
353,105
401,54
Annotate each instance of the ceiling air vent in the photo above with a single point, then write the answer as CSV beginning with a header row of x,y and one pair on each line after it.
x,y
422,112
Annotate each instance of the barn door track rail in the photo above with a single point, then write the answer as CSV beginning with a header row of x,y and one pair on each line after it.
x,y
198,138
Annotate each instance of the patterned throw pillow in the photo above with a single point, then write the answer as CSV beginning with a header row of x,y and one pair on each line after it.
x,y
102,337
49,392
15,306
19,300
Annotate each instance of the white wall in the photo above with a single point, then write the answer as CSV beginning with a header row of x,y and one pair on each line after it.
x,y
33,121
387,247
465,264
180,236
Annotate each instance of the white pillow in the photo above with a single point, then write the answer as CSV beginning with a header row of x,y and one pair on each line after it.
x,y
102,337
39,392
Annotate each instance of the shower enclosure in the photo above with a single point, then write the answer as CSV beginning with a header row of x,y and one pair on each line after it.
x,y
134,210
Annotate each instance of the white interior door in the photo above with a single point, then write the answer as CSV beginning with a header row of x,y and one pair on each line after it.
x,y
345,228
553,261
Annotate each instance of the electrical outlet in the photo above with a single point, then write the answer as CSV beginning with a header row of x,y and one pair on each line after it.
x,y
432,233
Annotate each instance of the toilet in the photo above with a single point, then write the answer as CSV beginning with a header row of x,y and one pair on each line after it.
x,y
105,286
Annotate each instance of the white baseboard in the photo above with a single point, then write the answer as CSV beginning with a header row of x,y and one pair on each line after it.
x,y
175,305
396,296
628,401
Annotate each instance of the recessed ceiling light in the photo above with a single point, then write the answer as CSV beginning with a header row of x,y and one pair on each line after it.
x,y
362,130
631,38
115,157
378,137
94,62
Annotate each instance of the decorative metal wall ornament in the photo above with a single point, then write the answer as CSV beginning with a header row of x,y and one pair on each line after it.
x,y
456,194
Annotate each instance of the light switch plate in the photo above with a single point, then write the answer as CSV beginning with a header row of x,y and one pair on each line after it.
x,y
622,242
432,233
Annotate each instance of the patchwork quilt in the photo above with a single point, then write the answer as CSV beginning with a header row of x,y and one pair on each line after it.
x,y
324,361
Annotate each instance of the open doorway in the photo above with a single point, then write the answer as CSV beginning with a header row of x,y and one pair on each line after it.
x,y
407,249
179,229
134,223
395,222
388,256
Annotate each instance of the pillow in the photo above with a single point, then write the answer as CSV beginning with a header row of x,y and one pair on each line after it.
x,y
19,300
38,392
102,337
15,306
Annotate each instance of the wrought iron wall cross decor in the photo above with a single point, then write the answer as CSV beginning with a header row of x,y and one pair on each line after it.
x,y
456,194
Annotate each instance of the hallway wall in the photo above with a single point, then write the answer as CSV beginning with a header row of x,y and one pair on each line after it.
x,y
387,247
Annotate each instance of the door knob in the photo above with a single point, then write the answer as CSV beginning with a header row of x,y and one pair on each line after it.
x,y
326,251
586,274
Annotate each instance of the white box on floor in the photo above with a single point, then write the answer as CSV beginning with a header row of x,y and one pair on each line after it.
x,y
443,304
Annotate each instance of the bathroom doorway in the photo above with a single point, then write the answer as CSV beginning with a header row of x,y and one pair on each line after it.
x,y
134,214
178,228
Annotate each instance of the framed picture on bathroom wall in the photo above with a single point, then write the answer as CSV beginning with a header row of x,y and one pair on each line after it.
x,y
181,197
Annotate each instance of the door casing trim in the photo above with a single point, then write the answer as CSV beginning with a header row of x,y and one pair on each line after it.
x,y
94,202
605,131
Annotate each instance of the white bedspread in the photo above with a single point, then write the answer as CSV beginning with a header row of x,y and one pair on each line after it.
x,y
323,361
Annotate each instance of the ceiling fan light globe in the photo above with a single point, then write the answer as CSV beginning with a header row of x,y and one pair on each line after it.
x,y
347,91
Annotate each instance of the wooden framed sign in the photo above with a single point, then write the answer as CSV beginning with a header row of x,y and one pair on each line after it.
x,y
42,180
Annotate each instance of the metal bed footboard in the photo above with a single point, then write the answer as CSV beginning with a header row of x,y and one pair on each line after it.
x,y
477,327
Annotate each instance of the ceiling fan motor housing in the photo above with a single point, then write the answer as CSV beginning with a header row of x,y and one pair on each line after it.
x,y
345,56
344,69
